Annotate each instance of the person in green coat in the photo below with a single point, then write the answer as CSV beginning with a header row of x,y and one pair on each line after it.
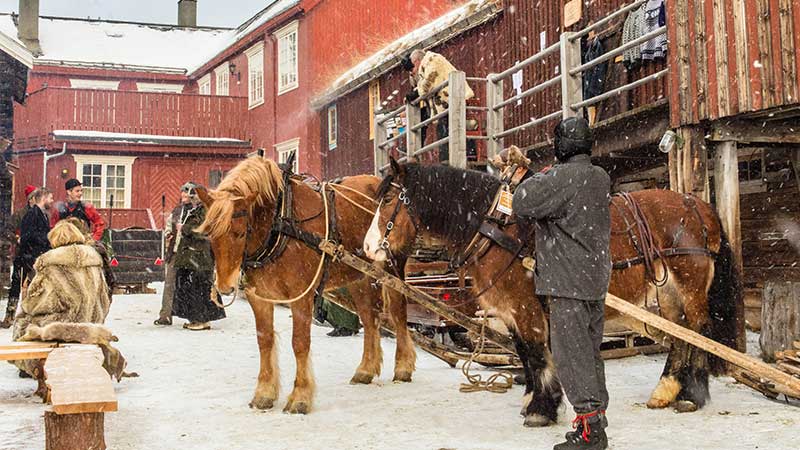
x,y
194,268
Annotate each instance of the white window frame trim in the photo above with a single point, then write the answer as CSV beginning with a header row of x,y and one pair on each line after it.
x,y
126,161
332,144
222,68
287,146
159,87
106,85
283,32
250,53
205,79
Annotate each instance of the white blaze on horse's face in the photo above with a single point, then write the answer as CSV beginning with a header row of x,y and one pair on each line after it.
x,y
372,241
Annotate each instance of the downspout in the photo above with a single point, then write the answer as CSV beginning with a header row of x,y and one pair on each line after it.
x,y
48,158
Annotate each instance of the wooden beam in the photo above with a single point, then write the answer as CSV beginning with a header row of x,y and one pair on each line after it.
x,y
25,353
94,393
457,120
789,384
571,85
726,183
27,345
756,131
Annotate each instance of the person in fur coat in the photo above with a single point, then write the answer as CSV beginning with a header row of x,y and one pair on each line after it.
x,y
69,286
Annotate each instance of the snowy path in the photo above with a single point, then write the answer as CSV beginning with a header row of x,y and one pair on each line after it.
x,y
194,388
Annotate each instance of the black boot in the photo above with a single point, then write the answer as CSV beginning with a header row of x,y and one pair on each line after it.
x,y
337,332
587,435
9,319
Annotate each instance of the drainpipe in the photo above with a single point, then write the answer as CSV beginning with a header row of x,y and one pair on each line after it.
x,y
48,158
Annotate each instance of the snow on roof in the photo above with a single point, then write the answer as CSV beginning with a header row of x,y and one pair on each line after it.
x,y
390,56
275,8
111,43
104,136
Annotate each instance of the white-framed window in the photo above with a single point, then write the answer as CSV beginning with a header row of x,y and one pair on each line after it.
x,y
223,76
204,85
105,176
159,87
287,57
94,84
255,75
285,149
333,123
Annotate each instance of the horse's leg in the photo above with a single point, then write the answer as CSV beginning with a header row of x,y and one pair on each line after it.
x,y
268,381
364,299
405,356
542,389
684,381
300,399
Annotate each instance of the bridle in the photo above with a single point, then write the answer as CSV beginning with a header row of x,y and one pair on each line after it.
x,y
402,199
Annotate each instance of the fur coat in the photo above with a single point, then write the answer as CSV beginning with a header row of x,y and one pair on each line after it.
x,y
69,286
434,70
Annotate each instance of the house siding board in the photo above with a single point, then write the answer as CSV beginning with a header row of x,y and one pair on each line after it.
x,y
755,59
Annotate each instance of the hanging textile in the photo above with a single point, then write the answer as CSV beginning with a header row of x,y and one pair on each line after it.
x,y
594,78
631,30
654,17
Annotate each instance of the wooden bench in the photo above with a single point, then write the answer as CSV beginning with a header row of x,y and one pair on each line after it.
x,y
78,388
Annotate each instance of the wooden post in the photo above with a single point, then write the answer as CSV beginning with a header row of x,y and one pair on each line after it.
x,y
780,317
571,85
457,120
413,138
74,431
795,157
688,164
494,119
381,156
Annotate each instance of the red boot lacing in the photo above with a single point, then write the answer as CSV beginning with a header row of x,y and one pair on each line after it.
x,y
583,420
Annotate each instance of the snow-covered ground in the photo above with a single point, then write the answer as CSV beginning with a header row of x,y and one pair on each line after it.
x,y
194,388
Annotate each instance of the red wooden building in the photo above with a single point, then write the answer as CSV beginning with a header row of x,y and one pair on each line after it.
x,y
135,110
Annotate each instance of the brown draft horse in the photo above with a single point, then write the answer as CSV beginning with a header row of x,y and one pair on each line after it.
x,y
238,221
697,288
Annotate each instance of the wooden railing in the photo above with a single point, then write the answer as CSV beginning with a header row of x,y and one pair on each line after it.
x,y
127,112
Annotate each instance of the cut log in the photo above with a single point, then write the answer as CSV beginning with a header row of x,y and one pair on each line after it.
x,y
780,317
74,431
789,384
84,363
796,345
792,369
618,353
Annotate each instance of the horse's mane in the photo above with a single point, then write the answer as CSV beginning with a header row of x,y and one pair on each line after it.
x,y
258,180
450,202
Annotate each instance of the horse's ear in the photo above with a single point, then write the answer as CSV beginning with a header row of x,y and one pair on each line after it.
x,y
204,196
397,170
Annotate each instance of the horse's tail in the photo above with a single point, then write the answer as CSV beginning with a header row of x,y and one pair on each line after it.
x,y
724,299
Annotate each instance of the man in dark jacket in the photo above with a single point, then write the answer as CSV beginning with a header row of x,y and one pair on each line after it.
x,y
75,207
569,204
18,276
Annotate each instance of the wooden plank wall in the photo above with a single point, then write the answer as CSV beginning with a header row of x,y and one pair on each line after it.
x,y
732,56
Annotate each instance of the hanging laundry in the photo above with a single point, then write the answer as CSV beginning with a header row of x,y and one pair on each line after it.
x,y
594,78
631,30
654,17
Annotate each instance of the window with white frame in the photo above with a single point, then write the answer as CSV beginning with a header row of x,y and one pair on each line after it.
x,y
332,130
285,149
105,178
287,57
255,75
204,85
94,84
223,76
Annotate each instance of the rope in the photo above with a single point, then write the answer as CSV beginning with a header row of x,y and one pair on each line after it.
x,y
475,382
252,291
335,187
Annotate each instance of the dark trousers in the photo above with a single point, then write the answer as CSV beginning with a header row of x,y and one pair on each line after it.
x,y
442,131
576,332
19,274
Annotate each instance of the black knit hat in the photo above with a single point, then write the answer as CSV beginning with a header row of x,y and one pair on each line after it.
x,y
71,184
572,136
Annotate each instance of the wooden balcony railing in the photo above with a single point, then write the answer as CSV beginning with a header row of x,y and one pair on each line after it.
x,y
127,112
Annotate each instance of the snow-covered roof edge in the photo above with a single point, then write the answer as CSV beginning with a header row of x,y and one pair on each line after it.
x,y
125,138
446,27
16,49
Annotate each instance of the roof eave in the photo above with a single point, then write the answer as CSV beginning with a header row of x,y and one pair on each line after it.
x,y
16,50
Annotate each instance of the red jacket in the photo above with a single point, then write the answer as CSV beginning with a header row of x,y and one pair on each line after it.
x,y
84,211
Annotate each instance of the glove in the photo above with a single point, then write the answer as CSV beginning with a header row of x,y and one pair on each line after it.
x,y
411,96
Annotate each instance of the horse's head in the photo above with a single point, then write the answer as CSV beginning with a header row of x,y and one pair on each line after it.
x,y
249,189
393,228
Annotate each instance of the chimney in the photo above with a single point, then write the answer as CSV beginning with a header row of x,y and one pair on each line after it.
x,y
187,13
28,29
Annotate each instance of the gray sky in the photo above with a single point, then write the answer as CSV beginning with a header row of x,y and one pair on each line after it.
x,y
222,13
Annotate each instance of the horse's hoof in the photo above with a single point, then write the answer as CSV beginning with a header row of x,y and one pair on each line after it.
x,y
402,377
297,408
262,403
362,378
685,406
657,403
537,421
